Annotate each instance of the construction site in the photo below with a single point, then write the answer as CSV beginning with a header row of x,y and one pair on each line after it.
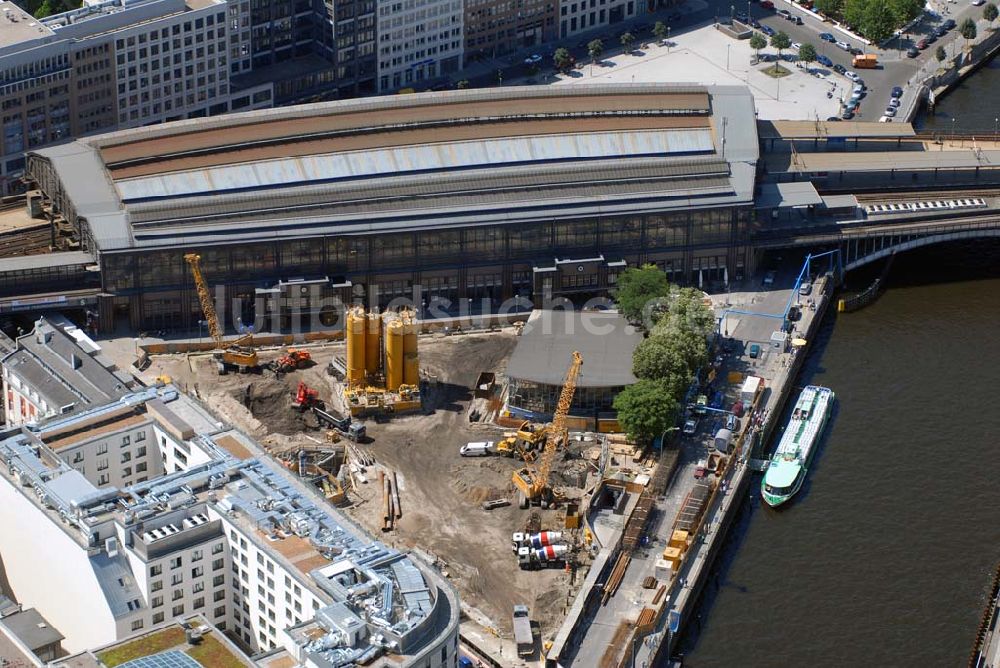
x,y
401,474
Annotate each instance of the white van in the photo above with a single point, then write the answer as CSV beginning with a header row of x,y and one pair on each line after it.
x,y
477,449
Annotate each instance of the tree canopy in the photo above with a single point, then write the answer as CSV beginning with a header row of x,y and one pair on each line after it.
x,y
595,48
874,19
990,12
639,289
758,42
42,8
660,30
562,59
646,409
627,39
807,53
781,41
940,54
968,29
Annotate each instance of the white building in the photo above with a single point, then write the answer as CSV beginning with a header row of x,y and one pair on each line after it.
x,y
205,528
418,41
54,370
577,16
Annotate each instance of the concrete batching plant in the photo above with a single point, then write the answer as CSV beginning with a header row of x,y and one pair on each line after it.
x,y
383,369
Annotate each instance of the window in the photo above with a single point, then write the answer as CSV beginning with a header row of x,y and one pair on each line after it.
x,y
175,562
219,612
218,564
217,548
197,572
177,610
126,457
102,448
157,601
197,587
140,451
176,578
155,570
198,603
103,479
156,585
196,555
219,595
126,440
177,595
218,580
158,618
140,436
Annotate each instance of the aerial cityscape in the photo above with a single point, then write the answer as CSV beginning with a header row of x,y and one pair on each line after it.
x,y
467,333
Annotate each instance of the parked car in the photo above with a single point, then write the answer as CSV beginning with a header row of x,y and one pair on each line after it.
x,y
767,4
848,114
978,3
894,103
940,31
839,69
797,20
912,52
769,278
833,119
784,13
885,119
855,51
806,288
859,91
827,37
897,91
732,423
930,39
949,24
690,427
823,60
851,75
476,449
890,111
767,30
843,45
533,59
754,350
796,45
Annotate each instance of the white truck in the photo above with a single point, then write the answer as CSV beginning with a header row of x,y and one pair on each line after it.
x,y
523,636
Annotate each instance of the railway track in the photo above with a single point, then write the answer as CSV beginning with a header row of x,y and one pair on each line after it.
x,y
924,195
25,241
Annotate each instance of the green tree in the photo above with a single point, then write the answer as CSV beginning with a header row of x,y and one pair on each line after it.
x,y
807,53
990,13
646,409
877,21
639,290
687,312
562,59
758,42
854,11
832,8
660,30
968,30
672,354
45,9
595,48
904,11
780,41
940,54
628,40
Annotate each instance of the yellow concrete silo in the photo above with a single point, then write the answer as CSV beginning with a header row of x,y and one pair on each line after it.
x,y
393,354
411,367
356,325
373,343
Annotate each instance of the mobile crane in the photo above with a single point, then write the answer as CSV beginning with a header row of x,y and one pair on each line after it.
x,y
533,483
239,355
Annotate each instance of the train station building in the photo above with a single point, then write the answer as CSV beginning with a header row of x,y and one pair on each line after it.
x,y
481,195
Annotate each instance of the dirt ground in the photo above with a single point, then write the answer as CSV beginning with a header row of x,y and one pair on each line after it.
x,y
440,491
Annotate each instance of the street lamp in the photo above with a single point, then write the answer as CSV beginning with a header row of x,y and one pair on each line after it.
x,y
500,76
953,129
996,122
727,56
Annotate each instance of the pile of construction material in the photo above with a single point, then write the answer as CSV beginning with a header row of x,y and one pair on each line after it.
x,y
392,510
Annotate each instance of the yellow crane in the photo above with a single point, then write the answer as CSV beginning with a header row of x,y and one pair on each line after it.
x,y
533,483
240,354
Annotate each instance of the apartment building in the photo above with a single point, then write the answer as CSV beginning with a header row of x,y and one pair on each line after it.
x,y
494,28
577,16
209,528
54,370
419,41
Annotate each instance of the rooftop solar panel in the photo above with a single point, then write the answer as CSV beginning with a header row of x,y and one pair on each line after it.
x,y
173,658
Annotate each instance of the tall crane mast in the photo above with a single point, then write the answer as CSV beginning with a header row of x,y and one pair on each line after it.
x,y
533,484
207,305
236,356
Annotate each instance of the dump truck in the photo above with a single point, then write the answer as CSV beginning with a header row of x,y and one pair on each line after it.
x,y
523,636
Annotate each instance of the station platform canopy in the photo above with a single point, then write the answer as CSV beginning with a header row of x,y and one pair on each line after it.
x,y
832,130
787,195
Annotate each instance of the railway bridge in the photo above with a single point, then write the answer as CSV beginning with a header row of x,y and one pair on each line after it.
x,y
863,242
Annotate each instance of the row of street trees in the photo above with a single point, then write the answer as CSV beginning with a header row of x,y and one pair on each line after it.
x,y
875,19
563,59
666,361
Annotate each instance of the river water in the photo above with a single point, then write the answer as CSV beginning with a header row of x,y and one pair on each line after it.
x,y
885,557
975,105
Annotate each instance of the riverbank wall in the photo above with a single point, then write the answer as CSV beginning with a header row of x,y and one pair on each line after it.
x,y
686,589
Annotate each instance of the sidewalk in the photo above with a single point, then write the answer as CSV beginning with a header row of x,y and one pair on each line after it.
x,y
705,55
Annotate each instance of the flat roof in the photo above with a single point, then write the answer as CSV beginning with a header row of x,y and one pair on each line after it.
x,y
784,195
604,340
17,25
872,161
34,630
832,129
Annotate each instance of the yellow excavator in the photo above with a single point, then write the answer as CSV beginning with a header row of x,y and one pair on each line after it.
x,y
238,355
525,443
533,483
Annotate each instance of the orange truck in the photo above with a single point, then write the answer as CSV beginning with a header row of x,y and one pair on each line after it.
x,y
868,61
